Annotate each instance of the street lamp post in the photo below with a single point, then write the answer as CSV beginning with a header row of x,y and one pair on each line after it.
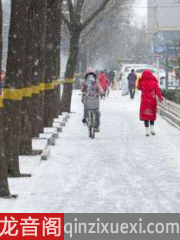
x,y
167,70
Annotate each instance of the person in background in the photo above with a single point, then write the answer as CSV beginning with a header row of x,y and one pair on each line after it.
x,y
132,83
97,72
103,80
116,82
112,77
148,84
109,82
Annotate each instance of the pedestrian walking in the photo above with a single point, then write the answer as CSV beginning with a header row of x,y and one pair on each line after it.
x,y
148,84
112,77
103,80
109,82
132,77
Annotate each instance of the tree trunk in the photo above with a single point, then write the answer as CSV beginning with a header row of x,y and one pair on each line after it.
x,y
42,35
13,86
52,60
49,71
57,60
70,71
26,138
39,8
35,77
4,188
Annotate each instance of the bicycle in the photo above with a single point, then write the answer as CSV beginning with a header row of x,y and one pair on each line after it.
x,y
91,104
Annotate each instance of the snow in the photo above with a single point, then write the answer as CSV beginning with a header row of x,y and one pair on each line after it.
x,y
46,135
119,171
39,144
56,124
50,130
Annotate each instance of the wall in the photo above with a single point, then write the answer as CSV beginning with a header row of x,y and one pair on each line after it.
x,y
163,15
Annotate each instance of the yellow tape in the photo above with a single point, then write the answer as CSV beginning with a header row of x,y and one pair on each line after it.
x,y
1,101
18,94
42,87
69,80
27,92
56,82
49,86
12,94
35,89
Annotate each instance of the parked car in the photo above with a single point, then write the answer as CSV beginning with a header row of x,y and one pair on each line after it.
x,y
126,68
159,74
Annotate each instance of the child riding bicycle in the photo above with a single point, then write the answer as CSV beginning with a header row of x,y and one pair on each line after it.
x,y
91,88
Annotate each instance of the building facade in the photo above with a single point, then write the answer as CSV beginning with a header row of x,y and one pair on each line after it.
x,y
164,24
163,15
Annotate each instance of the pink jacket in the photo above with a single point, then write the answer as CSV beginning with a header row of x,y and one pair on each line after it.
x,y
96,87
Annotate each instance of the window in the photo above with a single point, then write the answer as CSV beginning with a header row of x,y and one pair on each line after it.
x,y
153,71
140,70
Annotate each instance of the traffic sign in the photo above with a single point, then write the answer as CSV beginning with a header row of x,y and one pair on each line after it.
x,y
159,48
158,56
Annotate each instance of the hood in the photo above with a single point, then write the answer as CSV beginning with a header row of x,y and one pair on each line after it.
x,y
90,71
148,76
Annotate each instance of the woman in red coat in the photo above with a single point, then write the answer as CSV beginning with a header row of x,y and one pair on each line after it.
x,y
148,84
103,80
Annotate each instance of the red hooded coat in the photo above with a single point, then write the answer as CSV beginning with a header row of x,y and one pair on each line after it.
x,y
103,80
148,84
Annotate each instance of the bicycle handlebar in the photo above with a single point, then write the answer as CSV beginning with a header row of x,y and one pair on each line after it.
x,y
85,94
96,95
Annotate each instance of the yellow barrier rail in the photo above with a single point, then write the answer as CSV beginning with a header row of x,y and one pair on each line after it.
x,y
1,101
12,94
18,94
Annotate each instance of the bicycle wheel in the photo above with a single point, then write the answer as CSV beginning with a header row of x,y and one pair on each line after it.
x,y
93,121
89,124
92,132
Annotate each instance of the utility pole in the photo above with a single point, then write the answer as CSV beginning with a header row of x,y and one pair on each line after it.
x,y
167,67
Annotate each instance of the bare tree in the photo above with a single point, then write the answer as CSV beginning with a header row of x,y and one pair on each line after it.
x,y
104,40
76,24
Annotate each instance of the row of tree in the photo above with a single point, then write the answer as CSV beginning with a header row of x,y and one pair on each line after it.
x,y
31,97
84,22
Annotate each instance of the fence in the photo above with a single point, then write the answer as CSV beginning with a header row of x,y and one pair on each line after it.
x,y
171,112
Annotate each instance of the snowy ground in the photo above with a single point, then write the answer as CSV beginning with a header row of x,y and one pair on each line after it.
x,y
120,171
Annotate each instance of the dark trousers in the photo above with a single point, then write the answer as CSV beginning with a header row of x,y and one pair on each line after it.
x,y
112,83
132,93
146,123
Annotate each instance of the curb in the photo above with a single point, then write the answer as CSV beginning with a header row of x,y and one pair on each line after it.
x,y
48,137
58,125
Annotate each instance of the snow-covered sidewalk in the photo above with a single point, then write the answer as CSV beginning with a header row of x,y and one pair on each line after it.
x,y
120,171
